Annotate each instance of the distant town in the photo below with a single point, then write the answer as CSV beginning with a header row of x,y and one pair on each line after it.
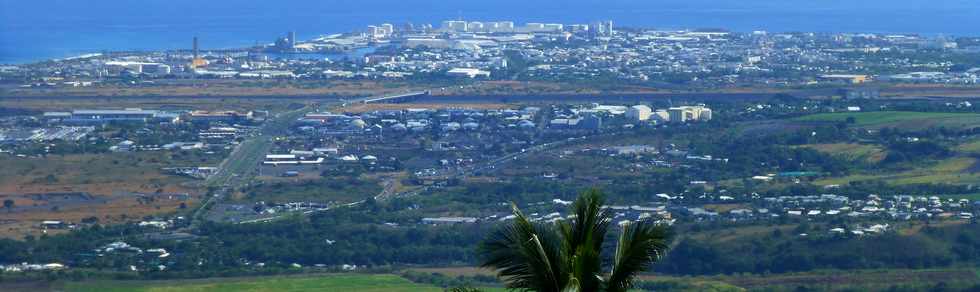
x,y
501,50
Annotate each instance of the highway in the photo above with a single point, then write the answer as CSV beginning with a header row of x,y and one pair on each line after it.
x,y
238,168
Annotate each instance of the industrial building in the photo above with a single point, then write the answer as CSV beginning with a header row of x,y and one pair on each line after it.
x,y
289,159
589,122
89,116
84,116
118,67
197,61
219,116
454,26
683,114
639,113
468,72
846,78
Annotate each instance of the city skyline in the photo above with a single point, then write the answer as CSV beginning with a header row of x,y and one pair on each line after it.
x,y
37,30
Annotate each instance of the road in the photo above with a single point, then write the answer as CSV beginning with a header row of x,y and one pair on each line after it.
x,y
238,168
388,191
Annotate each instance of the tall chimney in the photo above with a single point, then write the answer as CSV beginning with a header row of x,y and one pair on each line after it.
x,y
195,47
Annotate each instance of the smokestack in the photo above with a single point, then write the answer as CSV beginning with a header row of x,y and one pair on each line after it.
x,y
195,47
292,39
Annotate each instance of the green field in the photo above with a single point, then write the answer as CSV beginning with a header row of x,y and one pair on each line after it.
x,y
854,280
823,279
322,190
917,120
358,282
953,171
972,147
852,152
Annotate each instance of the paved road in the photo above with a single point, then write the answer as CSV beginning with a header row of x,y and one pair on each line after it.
x,y
248,154
238,168
387,191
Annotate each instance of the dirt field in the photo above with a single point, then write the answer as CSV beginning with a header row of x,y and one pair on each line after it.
x,y
930,90
348,88
107,209
102,174
186,103
360,108
227,88
113,187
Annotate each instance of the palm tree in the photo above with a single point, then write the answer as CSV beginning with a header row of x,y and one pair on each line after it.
x,y
567,256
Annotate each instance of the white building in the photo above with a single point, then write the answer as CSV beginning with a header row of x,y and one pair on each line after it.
x,y
468,72
554,27
534,27
475,26
454,26
501,26
689,113
639,113
387,29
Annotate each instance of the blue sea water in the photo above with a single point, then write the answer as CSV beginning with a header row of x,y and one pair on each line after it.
x,y
33,30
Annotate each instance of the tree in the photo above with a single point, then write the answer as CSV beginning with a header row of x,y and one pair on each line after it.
x,y
567,256
8,204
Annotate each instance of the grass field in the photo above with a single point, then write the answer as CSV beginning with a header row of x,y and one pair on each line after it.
x,y
972,147
826,279
914,120
852,152
857,280
359,282
322,190
955,170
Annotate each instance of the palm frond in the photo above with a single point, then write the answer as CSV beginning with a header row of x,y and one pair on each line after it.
x,y
526,255
591,221
585,267
531,256
583,235
640,244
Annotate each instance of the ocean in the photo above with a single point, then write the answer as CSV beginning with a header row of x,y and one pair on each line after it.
x,y
35,30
